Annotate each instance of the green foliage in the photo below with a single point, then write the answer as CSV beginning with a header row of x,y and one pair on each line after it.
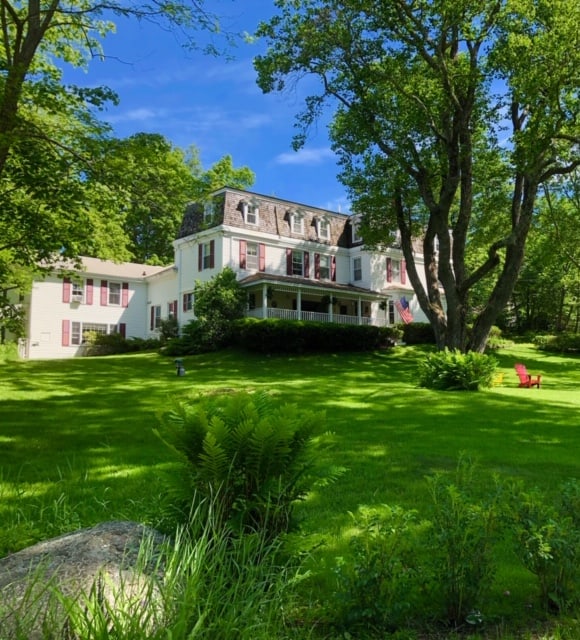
x,y
414,90
290,336
465,528
101,344
8,352
418,333
561,343
456,371
256,458
547,541
377,581
169,329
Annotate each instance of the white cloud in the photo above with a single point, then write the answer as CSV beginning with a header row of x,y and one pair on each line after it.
x,y
136,115
306,156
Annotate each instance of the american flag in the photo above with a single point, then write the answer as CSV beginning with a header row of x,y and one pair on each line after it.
x,y
402,307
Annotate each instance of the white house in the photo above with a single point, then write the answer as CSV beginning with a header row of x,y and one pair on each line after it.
x,y
295,261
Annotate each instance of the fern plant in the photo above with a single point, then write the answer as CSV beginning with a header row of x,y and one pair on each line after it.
x,y
257,458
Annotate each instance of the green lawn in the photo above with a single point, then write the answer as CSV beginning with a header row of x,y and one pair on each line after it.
x,y
78,445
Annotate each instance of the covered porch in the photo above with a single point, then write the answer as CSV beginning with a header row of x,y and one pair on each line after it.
x,y
291,298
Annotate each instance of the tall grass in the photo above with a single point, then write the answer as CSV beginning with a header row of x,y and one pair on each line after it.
x,y
204,583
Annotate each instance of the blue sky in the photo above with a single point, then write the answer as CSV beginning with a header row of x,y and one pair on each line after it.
x,y
215,104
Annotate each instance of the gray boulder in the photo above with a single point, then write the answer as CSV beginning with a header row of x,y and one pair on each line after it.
x,y
104,577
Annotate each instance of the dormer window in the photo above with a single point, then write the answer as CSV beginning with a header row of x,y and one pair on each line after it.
x,y
251,212
355,222
322,227
208,211
297,222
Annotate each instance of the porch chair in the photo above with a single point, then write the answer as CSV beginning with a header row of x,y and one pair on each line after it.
x,y
527,380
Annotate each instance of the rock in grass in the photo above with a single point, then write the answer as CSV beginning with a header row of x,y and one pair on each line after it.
x,y
103,578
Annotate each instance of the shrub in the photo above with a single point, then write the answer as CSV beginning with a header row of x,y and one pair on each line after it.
x,y
453,370
561,343
461,542
418,333
256,457
547,541
290,336
101,344
377,582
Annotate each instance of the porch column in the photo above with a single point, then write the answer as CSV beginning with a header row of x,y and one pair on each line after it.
x,y
359,310
330,305
264,300
299,303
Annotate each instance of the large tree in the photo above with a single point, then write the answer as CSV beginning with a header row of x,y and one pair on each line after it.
x,y
154,181
447,113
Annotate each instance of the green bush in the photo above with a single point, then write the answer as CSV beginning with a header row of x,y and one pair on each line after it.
x,y
259,459
561,343
461,542
291,336
456,371
378,581
418,333
101,344
547,541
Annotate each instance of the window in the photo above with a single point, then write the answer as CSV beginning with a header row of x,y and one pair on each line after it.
x,y
324,267
251,213
391,312
80,331
115,293
396,271
297,263
297,222
355,222
188,301
206,255
208,211
155,322
252,255
323,229
77,293
172,309
357,268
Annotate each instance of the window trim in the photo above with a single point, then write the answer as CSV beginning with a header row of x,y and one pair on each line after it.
x,y
251,208
357,270
297,222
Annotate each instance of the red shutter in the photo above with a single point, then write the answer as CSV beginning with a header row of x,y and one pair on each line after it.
x,y
175,308
104,293
66,287
306,264
65,333
89,292
288,262
152,320
211,254
125,294
389,270
123,329
317,266
333,268
200,258
243,246
262,256
403,272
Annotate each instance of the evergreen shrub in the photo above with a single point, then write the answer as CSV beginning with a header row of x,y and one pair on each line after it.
x,y
456,371
418,333
291,336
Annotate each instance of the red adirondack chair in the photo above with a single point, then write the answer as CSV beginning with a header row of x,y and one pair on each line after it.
x,y
527,380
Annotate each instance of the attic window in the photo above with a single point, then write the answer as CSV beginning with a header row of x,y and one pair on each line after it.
x,y
297,222
251,212
355,222
208,211
323,228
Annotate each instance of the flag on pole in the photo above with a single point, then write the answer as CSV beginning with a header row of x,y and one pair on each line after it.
x,y
402,306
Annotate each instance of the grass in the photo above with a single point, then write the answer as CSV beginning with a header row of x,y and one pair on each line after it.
x,y
78,446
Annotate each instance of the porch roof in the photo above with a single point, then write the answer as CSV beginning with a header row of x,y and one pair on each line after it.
x,y
291,283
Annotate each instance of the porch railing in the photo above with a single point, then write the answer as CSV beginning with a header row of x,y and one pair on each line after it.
x,y
313,316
